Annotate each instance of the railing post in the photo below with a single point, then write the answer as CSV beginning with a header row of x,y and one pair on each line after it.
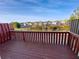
x,y
9,33
69,38
78,47
23,36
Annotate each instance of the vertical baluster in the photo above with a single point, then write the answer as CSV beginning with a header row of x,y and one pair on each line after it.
x,y
44,37
62,38
24,36
36,37
0,34
72,42
7,32
3,35
65,35
78,46
50,38
59,38
21,35
8,29
47,38
69,40
54,37
53,40
41,37
27,36
0,39
32,34
75,44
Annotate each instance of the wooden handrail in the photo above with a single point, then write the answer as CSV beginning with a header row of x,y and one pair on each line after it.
x,y
54,36
36,31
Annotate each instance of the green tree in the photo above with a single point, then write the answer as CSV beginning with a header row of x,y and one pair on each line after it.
x,y
72,17
16,24
75,14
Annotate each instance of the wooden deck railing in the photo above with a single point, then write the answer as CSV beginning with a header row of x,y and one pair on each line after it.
x,y
57,38
4,32
42,37
73,42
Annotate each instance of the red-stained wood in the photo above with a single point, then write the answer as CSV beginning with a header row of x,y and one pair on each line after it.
x,y
74,43
49,38
4,32
57,38
14,49
43,37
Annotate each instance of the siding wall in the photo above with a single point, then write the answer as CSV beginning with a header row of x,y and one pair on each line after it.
x,y
74,26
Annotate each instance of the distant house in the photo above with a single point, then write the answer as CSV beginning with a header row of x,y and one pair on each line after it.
x,y
25,25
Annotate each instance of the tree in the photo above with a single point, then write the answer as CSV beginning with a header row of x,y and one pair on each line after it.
x,y
75,14
16,24
72,17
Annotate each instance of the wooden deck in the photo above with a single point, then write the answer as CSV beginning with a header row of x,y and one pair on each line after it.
x,y
37,45
17,49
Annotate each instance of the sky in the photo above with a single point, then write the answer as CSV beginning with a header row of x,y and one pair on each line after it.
x,y
36,10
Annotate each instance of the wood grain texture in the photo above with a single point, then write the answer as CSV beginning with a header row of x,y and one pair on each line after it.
x,y
17,49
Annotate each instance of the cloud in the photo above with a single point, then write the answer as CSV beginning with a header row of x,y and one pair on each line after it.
x,y
38,7
50,4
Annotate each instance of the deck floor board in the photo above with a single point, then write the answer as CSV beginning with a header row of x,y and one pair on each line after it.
x,y
28,50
